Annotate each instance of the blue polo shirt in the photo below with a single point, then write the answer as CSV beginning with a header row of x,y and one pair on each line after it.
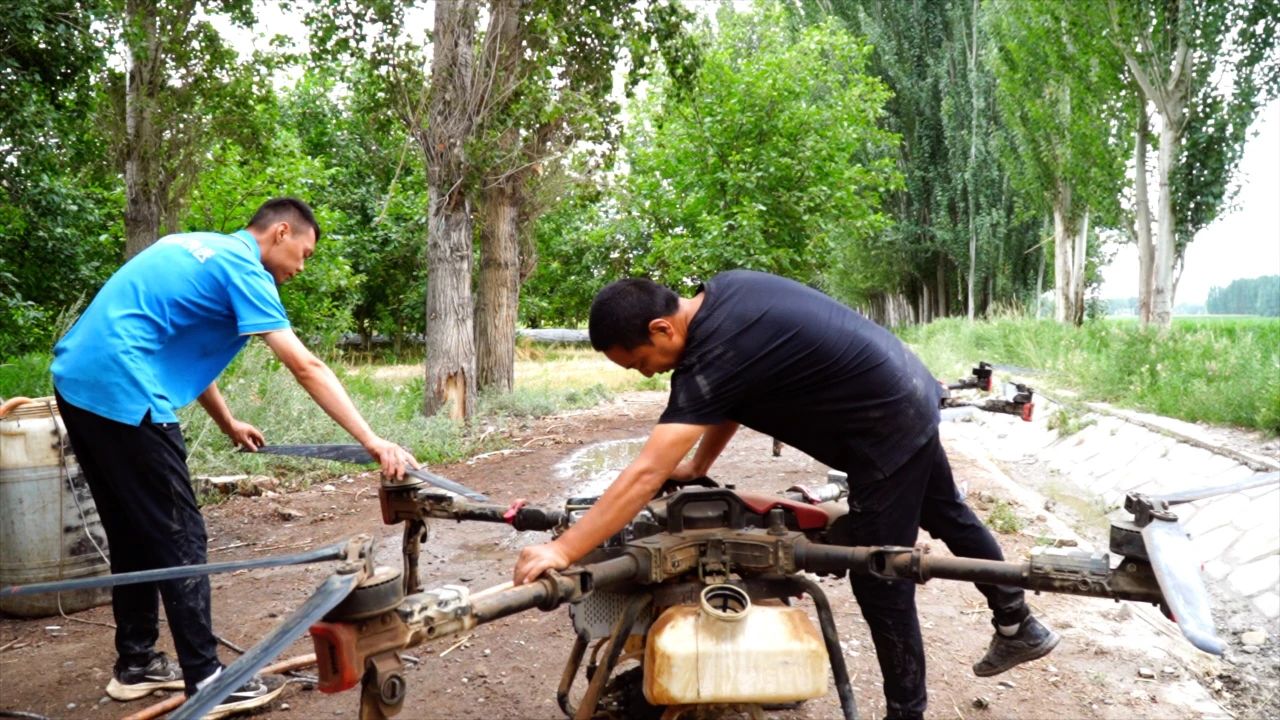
x,y
165,325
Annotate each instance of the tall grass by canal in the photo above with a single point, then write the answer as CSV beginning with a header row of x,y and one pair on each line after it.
x,y
1223,371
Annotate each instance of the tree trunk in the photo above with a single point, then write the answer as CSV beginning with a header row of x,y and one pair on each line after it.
x,y
498,294
142,195
1142,215
1166,83
1162,271
1077,271
1040,281
942,287
1063,245
450,382
973,155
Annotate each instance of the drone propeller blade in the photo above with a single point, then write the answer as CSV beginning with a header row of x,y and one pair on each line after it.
x,y
445,484
349,453
1177,573
332,591
331,552
1186,496
358,455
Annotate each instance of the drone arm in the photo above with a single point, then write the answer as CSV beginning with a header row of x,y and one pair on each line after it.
x,y
518,515
1071,572
552,589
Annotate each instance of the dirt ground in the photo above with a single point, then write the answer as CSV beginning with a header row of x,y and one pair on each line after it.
x,y
58,667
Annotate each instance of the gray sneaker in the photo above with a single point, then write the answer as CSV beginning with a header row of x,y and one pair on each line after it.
x,y
131,683
1031,642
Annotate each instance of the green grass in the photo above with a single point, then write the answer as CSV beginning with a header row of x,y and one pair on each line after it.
x,y
1223,371
26,376
1003,519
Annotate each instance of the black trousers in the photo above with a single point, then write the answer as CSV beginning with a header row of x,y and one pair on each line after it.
x,y
891,511
141,486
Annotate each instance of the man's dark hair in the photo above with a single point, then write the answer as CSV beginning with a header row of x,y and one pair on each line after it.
x,y
287,209
621,312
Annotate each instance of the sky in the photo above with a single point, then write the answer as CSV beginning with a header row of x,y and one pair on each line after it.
x,y
1242,243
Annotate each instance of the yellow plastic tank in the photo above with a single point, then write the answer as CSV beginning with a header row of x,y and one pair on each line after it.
x,y
49,526
725,650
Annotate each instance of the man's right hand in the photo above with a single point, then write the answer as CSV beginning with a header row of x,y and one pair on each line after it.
x,y
393,458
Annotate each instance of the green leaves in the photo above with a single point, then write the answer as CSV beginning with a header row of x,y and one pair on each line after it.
x,y
773,161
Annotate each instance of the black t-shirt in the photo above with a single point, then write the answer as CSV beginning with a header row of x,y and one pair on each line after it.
x,y
791,362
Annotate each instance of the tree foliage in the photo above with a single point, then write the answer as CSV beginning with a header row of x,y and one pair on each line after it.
x,y
59,235
774,160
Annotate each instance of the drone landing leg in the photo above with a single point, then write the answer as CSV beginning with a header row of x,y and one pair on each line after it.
x,y
571,672
415,532
383,691
616,642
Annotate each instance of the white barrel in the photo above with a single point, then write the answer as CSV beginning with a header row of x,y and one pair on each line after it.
x,y
49,526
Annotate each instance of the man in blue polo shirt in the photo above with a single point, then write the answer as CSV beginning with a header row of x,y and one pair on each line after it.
x,y
155,338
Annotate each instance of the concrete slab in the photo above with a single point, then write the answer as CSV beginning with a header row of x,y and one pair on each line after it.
x,y
1256,576
1216,570
1215,512
1268,603
1214,543
1263,510
1261,541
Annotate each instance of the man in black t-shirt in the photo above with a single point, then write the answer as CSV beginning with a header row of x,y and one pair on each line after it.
x,y
766,352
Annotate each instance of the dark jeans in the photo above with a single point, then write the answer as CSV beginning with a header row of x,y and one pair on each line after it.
x,y
142,489
891,511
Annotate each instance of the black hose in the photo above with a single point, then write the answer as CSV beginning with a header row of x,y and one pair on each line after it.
x,y
839,671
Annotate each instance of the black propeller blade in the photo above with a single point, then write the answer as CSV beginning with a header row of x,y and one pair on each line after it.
x,y
332,552
332,591
358,455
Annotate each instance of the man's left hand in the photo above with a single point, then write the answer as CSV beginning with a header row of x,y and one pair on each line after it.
x,y
245,436
537,559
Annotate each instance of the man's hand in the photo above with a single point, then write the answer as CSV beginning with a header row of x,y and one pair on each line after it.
x,y
245,435
393,458
537,559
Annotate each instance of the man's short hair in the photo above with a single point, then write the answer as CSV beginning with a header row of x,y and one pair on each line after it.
x,y
284,209
621,313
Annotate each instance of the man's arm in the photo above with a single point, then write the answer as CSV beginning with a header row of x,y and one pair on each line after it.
x,y
713,443
322,385
241,433
625,497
